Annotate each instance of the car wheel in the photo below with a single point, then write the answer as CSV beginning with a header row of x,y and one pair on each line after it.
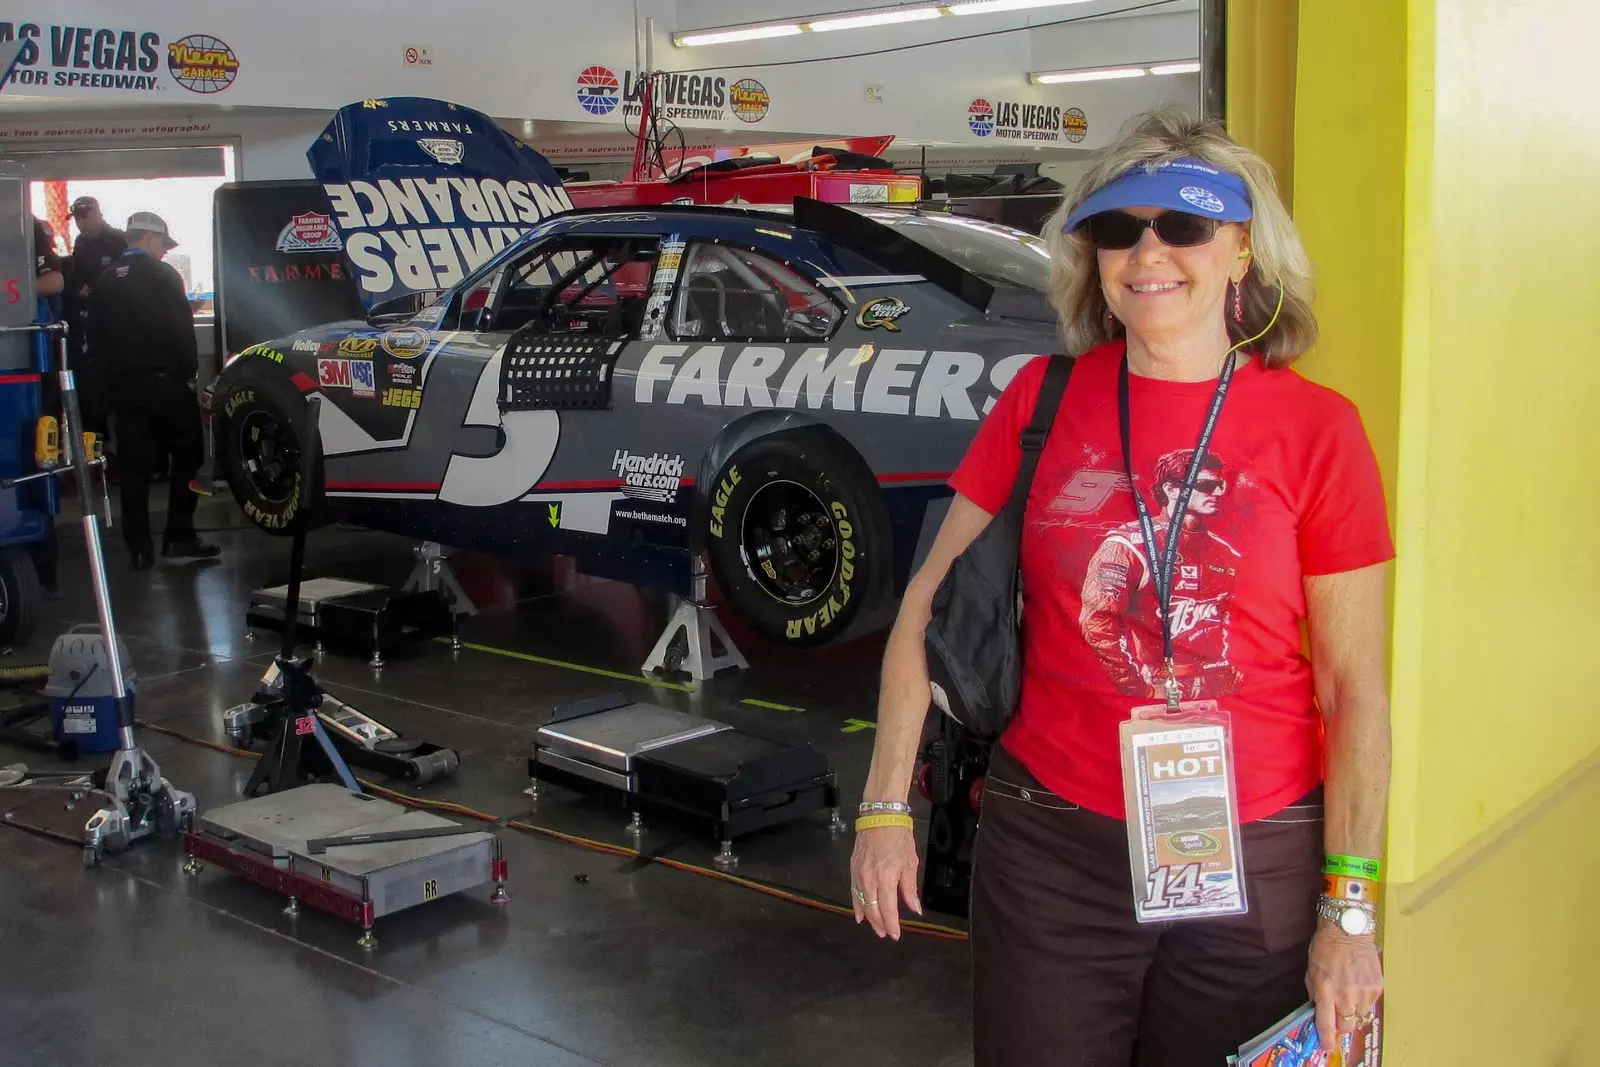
x,y
20,595
261,421
798,536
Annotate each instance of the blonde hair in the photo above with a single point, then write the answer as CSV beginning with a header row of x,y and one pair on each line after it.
x,y
1278,258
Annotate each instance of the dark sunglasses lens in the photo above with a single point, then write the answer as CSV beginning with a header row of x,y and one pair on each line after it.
x,y
1181,229
1114,229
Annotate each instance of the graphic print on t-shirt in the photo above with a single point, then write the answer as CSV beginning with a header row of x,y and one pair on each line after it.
x,y
1120,618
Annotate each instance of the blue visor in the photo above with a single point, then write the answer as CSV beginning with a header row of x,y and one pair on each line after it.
x,y
1186,184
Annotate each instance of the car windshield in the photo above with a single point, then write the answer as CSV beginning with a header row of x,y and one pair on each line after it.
x,y
994,253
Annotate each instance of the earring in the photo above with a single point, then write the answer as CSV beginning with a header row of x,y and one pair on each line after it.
x,y
1238,301
1109,321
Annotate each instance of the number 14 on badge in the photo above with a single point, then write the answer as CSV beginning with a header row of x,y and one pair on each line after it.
x,y
1183,814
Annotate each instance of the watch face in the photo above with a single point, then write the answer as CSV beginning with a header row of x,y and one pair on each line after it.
x,y
1355,922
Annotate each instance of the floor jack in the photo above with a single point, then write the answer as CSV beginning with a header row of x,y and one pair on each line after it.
x,y
328,844
129,800
360,739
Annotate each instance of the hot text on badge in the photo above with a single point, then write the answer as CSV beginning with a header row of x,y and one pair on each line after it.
x,y
1188,767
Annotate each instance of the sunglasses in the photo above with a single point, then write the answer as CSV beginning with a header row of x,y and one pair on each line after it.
x,y
1118,230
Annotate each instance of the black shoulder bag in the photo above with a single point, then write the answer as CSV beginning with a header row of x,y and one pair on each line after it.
x,y
972,641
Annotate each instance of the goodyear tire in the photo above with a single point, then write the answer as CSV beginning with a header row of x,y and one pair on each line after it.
x,y
798,537
20,595
259,420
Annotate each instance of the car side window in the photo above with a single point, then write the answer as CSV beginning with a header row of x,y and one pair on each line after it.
x,y
594,285
728,293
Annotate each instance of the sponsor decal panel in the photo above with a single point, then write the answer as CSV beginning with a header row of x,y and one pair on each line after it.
x,y
402,398
308,347
358,346
895,381
333,373
404,374
408,342
264,352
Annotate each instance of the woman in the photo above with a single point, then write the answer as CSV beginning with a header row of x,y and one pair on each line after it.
x,y
1172,252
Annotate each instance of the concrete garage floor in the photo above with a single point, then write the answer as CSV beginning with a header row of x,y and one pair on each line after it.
x,y
597,959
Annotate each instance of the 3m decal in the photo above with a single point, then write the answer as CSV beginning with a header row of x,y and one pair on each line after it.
x,y
656,477
528,442
333,373
882,313
402,398
408,342
362,381
719,505
358,346
894,381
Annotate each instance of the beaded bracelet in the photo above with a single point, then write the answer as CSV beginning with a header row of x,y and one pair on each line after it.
x,y
872,822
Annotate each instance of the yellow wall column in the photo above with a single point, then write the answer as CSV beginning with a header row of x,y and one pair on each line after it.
x,y
1447,181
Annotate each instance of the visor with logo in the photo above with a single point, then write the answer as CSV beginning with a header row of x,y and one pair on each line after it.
x,y
1187,184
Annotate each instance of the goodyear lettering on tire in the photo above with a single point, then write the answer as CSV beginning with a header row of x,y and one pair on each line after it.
x,y
824,616
275,520
719,505
238,400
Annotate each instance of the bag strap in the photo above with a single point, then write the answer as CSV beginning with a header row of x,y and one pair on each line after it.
x,y
1038,428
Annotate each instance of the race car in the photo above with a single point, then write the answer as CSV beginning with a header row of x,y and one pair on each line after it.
x,y
783,390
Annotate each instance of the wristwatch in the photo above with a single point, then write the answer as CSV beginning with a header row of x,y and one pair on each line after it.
x,y
1355,918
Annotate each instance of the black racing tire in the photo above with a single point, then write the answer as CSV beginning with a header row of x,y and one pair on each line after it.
x,y
798,537
21,597
259,420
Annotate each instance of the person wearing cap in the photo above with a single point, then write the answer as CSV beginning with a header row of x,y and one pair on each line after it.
x,y
97,246
1196,503
141,331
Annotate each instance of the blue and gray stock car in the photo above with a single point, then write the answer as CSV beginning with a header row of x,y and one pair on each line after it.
x,y
785,390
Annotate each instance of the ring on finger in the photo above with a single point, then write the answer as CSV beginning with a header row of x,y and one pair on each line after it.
x,y
859,895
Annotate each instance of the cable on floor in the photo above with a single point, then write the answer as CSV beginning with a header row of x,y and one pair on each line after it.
x,y
936,931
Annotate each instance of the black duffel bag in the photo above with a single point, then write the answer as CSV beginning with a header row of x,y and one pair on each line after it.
x,y
973,641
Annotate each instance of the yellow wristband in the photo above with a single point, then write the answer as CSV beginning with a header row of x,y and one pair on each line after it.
x,y
872,822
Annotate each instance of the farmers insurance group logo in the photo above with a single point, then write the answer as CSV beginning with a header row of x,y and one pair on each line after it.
x,y
311,232
99,59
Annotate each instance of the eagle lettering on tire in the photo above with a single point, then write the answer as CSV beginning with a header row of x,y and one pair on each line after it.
x,y
798,536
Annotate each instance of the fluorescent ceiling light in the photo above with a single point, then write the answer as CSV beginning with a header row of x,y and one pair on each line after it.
x,y
728,36
985,7
1056,77
887,17
1100,74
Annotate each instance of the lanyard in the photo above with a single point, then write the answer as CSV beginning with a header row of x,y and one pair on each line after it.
x,y
1161,569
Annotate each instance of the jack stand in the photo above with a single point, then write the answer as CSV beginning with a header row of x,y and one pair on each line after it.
x,y
693,638
433,574
294,716
132,801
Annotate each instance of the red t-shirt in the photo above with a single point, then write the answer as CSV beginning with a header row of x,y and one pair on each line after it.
x,y
1292,488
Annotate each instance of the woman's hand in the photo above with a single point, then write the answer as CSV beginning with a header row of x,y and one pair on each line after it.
x,y
1344,979
883,869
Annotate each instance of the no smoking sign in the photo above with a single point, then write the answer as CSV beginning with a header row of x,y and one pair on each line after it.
x,y
417,56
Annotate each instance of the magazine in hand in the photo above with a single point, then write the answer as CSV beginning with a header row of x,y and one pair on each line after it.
x,y
1293,1043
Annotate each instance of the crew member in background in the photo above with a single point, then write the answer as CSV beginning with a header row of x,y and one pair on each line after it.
x,y
98,245
141,329
49,282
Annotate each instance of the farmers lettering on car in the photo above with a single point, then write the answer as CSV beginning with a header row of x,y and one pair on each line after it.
x,y
420,222
894,382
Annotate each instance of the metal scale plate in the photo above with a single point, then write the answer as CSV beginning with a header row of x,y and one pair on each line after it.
x,y
391,875
272,604
603,746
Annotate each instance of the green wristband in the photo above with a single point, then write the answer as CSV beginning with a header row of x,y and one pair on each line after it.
x,y
1352,867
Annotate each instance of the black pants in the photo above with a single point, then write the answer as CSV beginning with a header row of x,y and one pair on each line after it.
x,y
158,427
1064,977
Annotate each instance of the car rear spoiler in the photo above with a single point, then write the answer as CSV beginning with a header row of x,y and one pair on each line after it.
x,y
891,250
